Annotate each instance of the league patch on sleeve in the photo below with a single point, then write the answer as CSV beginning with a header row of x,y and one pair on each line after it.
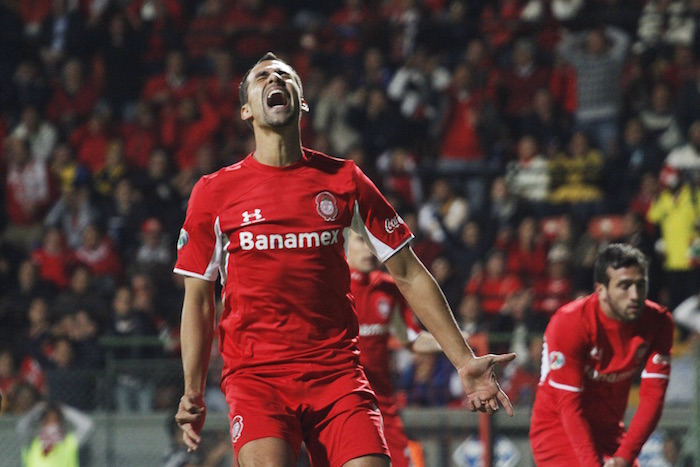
x,y
183,239
556,360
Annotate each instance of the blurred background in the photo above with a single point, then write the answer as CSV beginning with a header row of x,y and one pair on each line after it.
x,y
514,137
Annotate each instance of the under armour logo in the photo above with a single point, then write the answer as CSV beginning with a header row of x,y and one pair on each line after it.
x,y
251,217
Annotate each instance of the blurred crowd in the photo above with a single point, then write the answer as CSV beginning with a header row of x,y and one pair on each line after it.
x,y
515,137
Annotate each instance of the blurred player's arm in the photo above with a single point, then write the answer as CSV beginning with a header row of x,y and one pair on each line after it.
x,y
425,298
196,335
406,330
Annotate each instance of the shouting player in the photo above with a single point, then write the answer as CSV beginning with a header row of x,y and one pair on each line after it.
x,y
594,349
274,226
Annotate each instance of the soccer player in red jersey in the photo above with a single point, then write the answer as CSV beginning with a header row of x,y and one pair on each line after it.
x,y
594,348
382,312
274,227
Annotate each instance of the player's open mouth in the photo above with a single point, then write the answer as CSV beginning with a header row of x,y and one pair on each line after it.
x,y
277,98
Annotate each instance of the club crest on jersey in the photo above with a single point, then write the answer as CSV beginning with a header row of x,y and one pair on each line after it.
x,y
326,206
236,428
556,360
182,239
383,307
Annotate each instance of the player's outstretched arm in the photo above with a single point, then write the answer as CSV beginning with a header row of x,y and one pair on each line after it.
x,y
196,335
424,296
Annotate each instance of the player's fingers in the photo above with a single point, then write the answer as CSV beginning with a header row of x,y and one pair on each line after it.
x,y
505,402
190,437
502,358
470,405
493,404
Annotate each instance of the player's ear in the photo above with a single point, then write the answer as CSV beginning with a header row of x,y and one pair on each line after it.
x,y
304,105
245,112
599,288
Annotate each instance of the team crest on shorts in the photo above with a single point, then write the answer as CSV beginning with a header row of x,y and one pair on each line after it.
x,y
326,206
182,239
236,428
556,360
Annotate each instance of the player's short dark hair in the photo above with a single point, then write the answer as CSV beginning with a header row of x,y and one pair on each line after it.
x,y
243,87
616,256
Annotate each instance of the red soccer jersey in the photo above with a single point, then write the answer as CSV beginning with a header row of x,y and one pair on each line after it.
x,y
378,304
589,362
277,237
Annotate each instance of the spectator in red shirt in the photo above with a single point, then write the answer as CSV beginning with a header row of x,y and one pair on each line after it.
x,y
139,135
206,31
514,87
161,24
74,98
173,84
188,127
520,378
91,139
98,253
461,141
221,87
53,259
494,285
254,27
526,254
555,289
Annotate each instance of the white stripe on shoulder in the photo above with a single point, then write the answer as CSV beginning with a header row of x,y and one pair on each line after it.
x,y
565,387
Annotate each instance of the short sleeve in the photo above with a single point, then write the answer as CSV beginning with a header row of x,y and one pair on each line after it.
x,y
376,220
658,364
564,356
199,248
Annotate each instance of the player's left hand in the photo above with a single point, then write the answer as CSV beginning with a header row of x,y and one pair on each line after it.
x,y
484,394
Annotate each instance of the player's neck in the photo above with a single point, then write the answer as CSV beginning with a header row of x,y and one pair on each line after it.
x,y
277,149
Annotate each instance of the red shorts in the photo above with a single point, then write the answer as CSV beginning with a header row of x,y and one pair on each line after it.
x,y
333,412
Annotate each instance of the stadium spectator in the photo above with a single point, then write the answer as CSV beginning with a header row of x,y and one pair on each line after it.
x,y
118,48
555,288
29,192
187,127
522,377
253,27
73,97
576,176
73,212
82,295
675,211
686,158
444,212
206,32
97,252
494,285
122,211
40,134
527,176
62,36
134,390
53,258
173,85
598,56
53,434
140,136
526,251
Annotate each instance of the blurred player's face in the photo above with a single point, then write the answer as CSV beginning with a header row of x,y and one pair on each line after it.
x,y
360,257
274,95
623,298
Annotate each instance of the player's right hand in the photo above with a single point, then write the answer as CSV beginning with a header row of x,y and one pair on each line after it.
x,y
190,416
